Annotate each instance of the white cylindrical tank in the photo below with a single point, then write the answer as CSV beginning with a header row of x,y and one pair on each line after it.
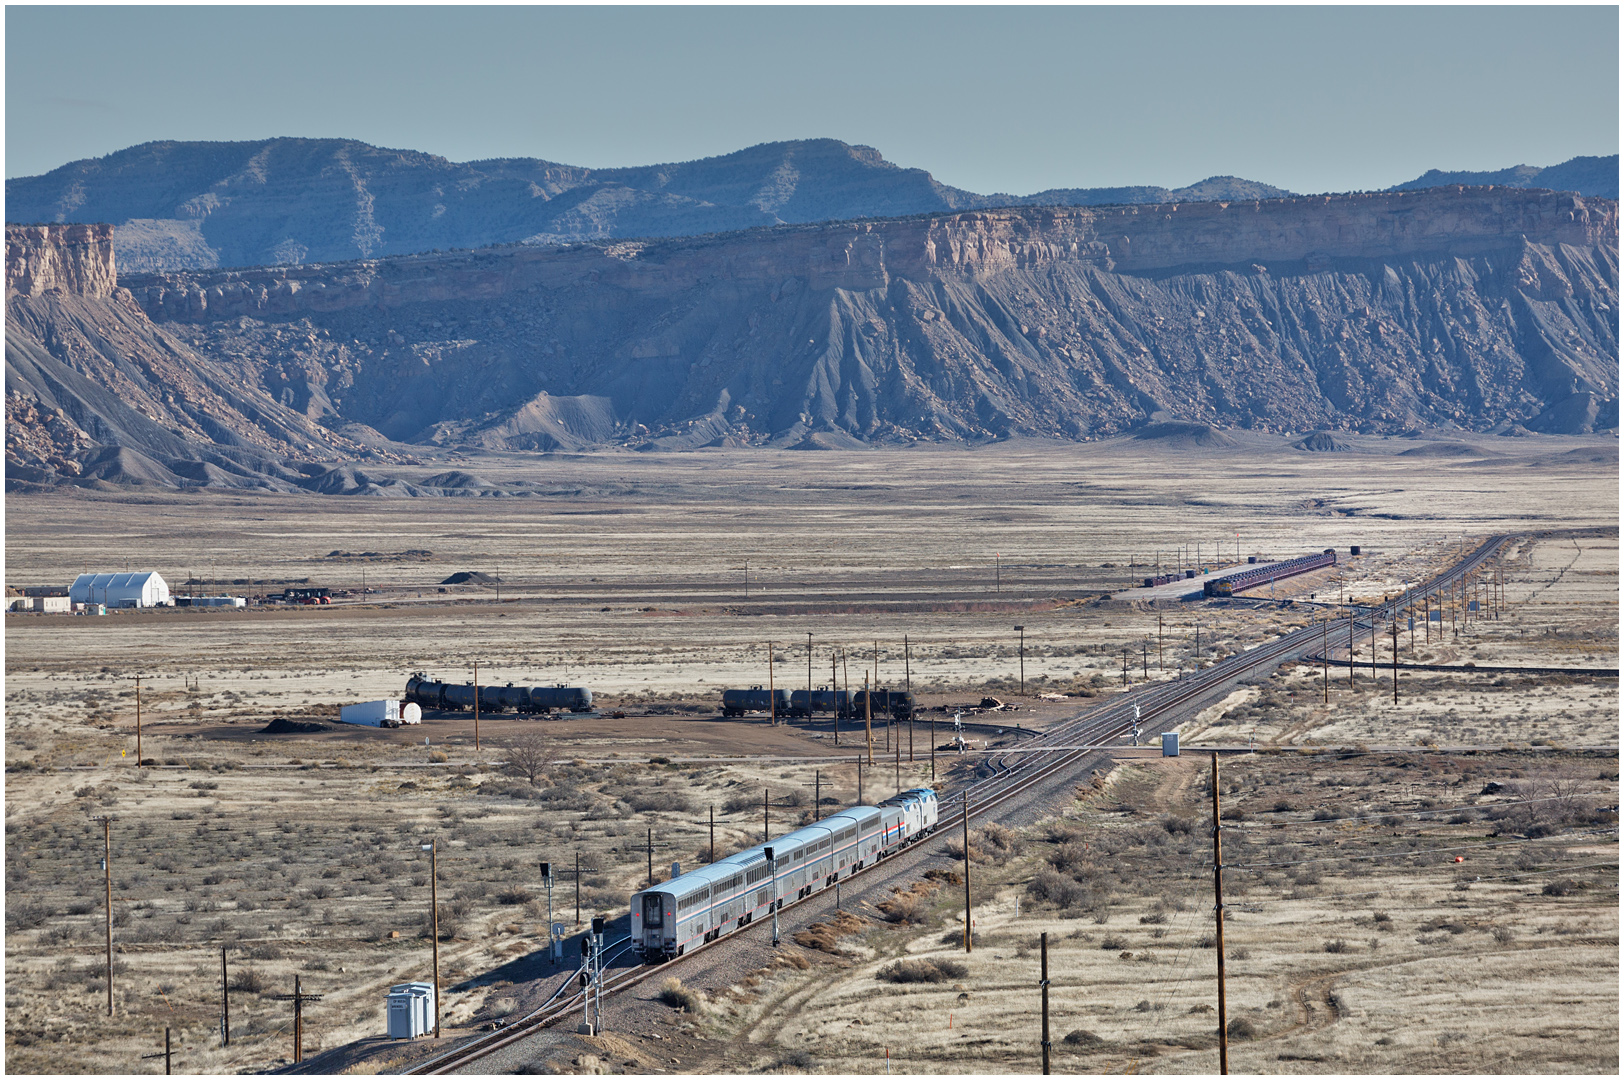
x,y
410,713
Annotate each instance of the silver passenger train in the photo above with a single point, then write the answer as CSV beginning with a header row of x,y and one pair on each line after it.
x,y
704,904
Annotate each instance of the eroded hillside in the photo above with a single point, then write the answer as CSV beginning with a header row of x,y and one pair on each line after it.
x,y
1477,308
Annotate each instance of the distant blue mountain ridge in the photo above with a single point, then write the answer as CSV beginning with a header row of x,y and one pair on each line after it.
x,y
199,205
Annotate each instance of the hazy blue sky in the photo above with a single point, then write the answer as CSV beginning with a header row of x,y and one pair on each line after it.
x,y
990,99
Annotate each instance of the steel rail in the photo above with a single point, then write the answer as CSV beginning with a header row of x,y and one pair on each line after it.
x,y
1094,726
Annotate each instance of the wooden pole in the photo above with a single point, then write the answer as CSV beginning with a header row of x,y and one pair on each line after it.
x,y
434,908
166,1052
298,1020
476,741
107,868
1395,658
1352,618
766,823
868,716
809,678
933,748
1325,660
225,1001
712,843
907,688
1218,913
138,721
1160,666
967,935
1043,951
578,879
834,694
772,698
651,858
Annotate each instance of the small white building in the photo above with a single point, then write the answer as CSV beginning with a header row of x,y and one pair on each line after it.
x,y
144,589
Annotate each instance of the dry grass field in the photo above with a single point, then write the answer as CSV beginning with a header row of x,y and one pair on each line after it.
x,y
1355,940
300,853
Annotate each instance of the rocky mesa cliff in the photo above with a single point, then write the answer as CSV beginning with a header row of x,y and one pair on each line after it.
x,y
1479,308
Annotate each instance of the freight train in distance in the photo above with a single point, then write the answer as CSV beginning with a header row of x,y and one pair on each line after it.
x,y
433,694
897,704
712,901
1264,575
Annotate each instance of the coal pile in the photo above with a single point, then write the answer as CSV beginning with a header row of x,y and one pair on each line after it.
x,y
283,726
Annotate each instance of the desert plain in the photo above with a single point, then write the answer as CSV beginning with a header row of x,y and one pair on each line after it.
x,y
1357,942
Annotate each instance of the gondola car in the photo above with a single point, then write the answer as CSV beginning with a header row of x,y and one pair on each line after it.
x,y
704,904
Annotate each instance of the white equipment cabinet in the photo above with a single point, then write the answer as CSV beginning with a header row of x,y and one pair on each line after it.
x,y
411,1010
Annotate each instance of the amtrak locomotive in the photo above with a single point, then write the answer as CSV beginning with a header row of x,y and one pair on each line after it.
x,y
704,904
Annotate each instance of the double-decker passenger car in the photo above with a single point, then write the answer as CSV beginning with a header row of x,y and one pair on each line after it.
x,y
704,904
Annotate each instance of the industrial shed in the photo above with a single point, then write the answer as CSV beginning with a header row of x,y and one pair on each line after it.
x,y
145,589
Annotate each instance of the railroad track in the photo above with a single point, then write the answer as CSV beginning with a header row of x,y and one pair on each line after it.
x,y
1013,774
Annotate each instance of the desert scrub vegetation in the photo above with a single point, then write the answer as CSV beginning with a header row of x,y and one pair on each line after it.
x,y
922,970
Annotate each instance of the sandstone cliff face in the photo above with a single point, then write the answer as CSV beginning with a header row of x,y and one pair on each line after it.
x,y
95,390
1475,308
1374,312
74,259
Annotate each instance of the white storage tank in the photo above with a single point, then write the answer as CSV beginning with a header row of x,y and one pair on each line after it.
x,y
411,1010
383,713
410,713
1170,744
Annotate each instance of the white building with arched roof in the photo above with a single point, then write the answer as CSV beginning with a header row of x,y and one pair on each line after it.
x,y
144,589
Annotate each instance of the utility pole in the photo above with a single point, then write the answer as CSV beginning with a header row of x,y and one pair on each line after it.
x,y
868,716
967,935
432,847
998,571
1218,911
747,579
107,871
1325,660
899,764
166,1052
1159,665
299,997
817,795
845,678
138,721
476,748
834,692
809,678
772,698
1022,630
712,840
907,688
859,780
651,858
578,875
1395,658
766,822
1353,617
1144,658
1043,952
225,1001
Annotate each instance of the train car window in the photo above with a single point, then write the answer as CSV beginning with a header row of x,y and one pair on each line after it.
x,y
651,910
